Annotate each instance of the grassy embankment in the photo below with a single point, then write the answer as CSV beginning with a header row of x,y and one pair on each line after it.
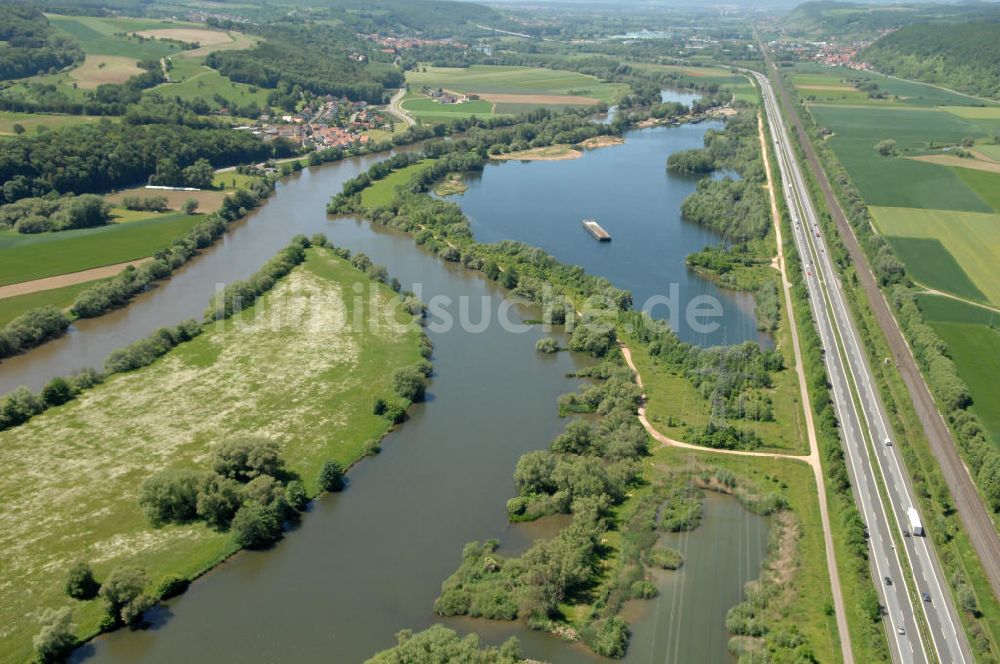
x,y
76,469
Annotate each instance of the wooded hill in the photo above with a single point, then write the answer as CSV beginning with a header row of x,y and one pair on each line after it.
x,y
963,56
866,20
28,45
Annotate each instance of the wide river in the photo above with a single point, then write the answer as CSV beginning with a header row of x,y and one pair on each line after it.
x,y
369,562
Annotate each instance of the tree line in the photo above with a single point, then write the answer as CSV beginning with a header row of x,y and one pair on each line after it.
x,y
94,158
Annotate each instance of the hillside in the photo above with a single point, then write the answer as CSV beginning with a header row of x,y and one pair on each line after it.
x,y
867,20
963,56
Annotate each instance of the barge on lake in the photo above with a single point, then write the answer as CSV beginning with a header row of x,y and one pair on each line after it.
x,y
595,229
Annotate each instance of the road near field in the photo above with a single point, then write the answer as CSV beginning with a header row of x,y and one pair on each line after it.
x,y
904,568
396,109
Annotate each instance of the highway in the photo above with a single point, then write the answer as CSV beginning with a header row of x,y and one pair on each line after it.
x,y
882,488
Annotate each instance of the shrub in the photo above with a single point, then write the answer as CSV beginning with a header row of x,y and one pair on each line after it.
x,y
57,392
608,637
296,496
80,583
172,587
171,496
55,639
410,383
121,588
665,558
243,459
218,500
256,526
331,476
547,345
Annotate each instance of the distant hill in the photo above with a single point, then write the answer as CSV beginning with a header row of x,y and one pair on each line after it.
x,y
867,20
430,17
962,56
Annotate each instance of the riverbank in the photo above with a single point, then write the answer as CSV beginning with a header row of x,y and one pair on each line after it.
x,y
234,379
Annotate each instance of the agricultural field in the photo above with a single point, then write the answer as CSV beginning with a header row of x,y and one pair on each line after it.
x,y
511,89
895,180
31,121
966,263
208,200
77,468
114,46
200,82
974,345
27,257
939,211
61,298
427,109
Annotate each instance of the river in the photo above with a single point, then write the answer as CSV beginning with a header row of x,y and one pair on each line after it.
x,y
368,562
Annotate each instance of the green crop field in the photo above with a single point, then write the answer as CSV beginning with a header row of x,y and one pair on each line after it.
x,y
103,36
425,108
990,150
974,345
27,257
77,468
984,183
486,79
201,82
61,298
383,191
31,121
971,240
917,128
907,92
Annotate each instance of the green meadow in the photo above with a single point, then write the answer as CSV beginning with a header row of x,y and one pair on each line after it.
x,y
383,191
77,468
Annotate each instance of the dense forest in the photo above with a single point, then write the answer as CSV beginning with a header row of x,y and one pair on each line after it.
x,y
964,56
314,58
28,45
848,18
94,158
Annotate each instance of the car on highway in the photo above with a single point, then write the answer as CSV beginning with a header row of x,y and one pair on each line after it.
x,y
888,581
888,442
927,597
900,630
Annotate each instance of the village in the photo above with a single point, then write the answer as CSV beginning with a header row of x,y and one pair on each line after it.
x,y
326,123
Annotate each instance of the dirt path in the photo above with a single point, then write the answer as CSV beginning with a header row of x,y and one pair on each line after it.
x,y
813,459
61,280
972,303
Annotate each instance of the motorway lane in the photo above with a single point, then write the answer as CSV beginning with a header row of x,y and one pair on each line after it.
x,y
948,640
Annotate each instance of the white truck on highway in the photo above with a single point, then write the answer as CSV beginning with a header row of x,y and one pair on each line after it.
x,y
915,526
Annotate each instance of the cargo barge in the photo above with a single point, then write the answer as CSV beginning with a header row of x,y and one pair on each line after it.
x,y
595,229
